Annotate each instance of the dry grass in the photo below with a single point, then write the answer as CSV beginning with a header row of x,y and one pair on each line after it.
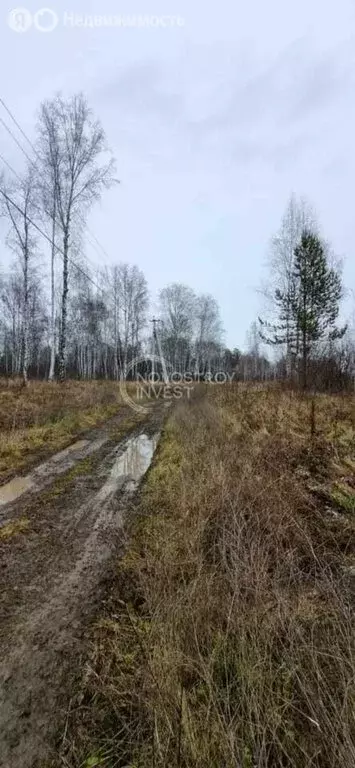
x,y
13,528
45,417
228,642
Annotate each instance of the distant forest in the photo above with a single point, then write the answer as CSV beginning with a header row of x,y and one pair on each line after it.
x,y
62,317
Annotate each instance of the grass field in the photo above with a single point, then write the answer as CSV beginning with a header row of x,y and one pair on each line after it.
x,y
228,637
45,417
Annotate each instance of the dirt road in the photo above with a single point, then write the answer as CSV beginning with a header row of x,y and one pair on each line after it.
x,y
60,533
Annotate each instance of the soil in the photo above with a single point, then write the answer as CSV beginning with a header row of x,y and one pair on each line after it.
x,y
54,572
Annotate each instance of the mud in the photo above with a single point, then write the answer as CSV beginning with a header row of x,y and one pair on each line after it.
x,y
131,465
46,472
53,577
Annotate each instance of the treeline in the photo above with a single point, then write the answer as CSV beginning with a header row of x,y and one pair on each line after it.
x,y
108,326
60,317
67,319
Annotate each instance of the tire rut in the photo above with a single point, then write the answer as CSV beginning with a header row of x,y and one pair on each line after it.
x,y
54,577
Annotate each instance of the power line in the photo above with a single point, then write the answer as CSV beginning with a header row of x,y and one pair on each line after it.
x,y
18,126
13,118
10,167
60,251
3,159
19,178
9,131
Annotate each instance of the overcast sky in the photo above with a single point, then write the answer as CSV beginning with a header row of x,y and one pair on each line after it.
x,y
214,122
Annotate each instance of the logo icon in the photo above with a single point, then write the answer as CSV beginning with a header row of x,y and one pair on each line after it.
x,y
145,386
19,20
45,20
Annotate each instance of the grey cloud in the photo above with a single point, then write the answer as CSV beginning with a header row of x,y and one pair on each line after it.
x,y
139,89
273,116
325,80
298,82
258,121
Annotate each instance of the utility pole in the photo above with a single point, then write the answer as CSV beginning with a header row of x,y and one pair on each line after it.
x,y
156,345
154,322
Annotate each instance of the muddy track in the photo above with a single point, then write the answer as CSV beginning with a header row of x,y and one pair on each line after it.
x,y
53,577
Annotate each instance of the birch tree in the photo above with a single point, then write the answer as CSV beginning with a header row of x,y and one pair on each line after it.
x,y
177,311
297,217
19,207
48,196
253,348
11,304
208,329
72,146
129,307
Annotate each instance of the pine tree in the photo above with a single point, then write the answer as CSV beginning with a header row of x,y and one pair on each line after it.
x,y
313,294
317,291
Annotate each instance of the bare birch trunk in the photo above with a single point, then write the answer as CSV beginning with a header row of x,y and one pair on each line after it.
x,y
52,364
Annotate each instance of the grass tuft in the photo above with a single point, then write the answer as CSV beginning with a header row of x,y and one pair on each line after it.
x,y
13,528
228,637
45,417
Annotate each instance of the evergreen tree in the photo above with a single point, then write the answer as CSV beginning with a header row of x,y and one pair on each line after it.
x,y
313,294
317,291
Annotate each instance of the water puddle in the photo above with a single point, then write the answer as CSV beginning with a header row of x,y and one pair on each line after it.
x,y
44,474
131,465
14,489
